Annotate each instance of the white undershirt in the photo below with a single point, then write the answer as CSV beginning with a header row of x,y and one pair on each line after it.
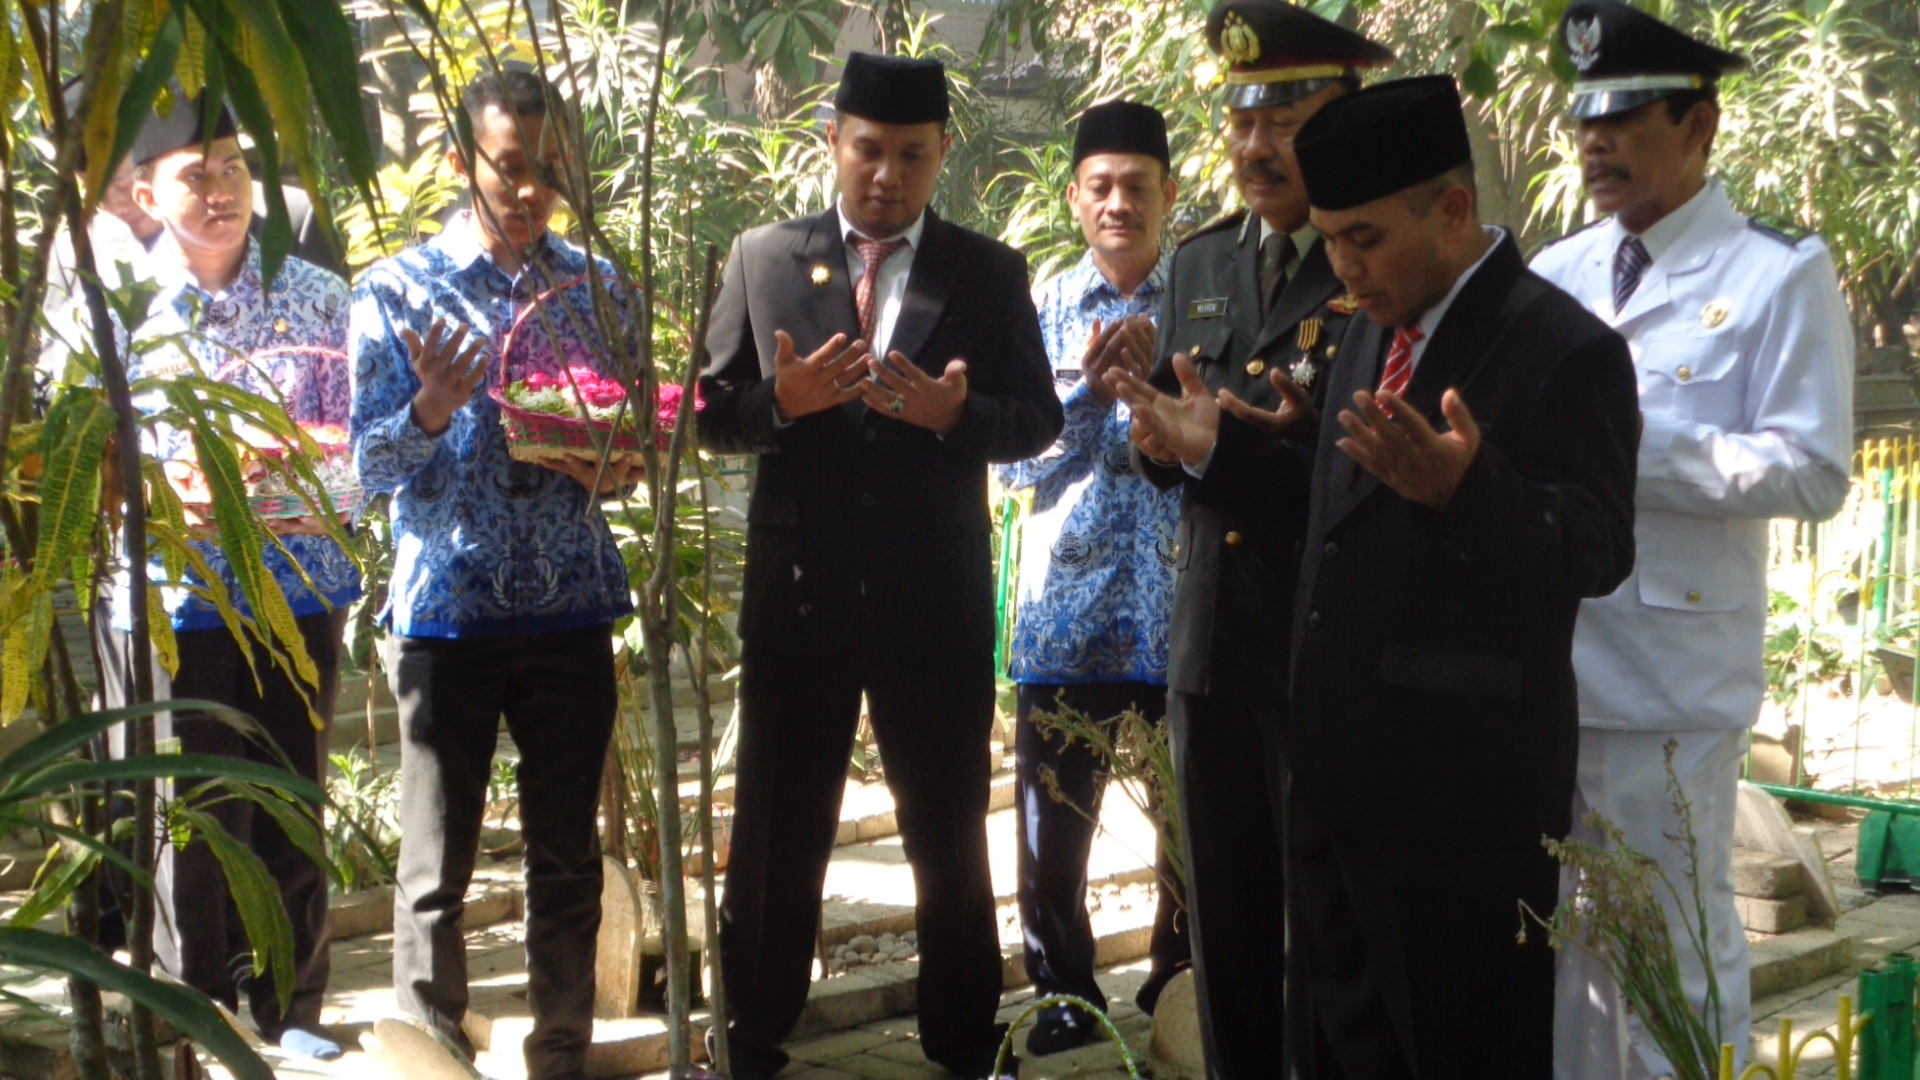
x,y
890,290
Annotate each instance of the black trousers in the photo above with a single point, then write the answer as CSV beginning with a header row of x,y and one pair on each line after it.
x,y
1055,839
198,935
931,716
1232,769
1406,952
557,694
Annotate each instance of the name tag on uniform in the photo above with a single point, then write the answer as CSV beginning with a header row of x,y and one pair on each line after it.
x,y
1207,309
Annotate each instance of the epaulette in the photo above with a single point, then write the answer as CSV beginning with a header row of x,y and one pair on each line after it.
x,y
1218,223
1779,229
1531,255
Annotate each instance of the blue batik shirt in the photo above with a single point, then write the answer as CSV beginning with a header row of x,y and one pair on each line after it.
x,y
1096,562
483,544
250,336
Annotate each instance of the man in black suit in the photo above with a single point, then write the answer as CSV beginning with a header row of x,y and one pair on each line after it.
x,y
1252,314
1477,485
868,566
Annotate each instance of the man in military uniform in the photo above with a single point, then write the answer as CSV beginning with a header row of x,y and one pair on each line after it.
x,y
1251,314
1743,352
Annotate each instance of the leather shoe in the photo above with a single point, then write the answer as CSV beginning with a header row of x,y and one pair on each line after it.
x,y
1058,1028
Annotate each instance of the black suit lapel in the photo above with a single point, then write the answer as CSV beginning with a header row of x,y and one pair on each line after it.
x,y
827,304
1243,303
1345,484
1312,285
1466,333
929,285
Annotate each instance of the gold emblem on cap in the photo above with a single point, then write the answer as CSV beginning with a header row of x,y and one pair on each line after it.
x,y
1715,313
1344,305
822,275
1256,368
281,326
1309,334
1238,41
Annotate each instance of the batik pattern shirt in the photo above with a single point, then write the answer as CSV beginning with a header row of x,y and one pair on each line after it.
x,y
270,342
1096,563
483,544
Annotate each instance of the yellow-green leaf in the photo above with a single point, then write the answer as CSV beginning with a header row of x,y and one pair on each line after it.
x,y
262,914
78,423
165,648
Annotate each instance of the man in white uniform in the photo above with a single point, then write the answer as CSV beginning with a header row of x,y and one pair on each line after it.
x,y
1744,353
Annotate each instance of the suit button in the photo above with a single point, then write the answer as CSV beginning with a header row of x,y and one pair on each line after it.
x,y
1176,551
1233,539
869,434
1331,550
866,499
1685,373
1693,597
1313,620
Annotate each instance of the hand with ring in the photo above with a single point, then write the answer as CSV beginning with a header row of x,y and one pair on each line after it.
x,y
914,397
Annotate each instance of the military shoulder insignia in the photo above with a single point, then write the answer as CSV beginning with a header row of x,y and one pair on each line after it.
x,y
1344,305
1779,229
1217,223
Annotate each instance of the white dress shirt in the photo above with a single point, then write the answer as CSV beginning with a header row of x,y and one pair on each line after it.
x,y
890,291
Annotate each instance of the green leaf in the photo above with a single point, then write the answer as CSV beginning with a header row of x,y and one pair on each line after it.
x,y
57,779
252,108
255,895
136,104
63,739
1480,79
185,1009
50,892
297,821
70,488
327,41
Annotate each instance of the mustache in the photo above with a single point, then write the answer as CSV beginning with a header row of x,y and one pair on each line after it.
x,y
1266,174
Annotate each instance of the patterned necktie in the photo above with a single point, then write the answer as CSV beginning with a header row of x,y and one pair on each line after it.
x,y
1400,361
1629,262
1276,251
873,254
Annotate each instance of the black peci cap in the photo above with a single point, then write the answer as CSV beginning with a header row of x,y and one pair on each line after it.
x,y
1121,127
1278,53
1381,141
184,126
1624,58
893,90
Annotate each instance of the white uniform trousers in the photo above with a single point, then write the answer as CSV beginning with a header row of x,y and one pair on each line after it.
x,y
1623,776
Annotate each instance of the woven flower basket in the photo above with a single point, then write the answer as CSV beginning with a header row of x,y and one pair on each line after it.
x,y
268,493
541,436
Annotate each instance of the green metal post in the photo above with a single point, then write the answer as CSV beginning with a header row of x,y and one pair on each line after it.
x,y
1003,585
1886,551
1886,997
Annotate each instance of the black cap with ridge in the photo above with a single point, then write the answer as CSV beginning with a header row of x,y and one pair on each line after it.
x,y
1277,53
893,90
1624,58
186,125
1121,127
1382,141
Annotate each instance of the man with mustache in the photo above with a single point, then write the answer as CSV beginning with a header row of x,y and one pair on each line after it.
x,y
1247,333
1096,573
1743,349
877,358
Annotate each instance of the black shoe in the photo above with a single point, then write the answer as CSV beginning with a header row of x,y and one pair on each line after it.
x,y
1157,980
749,1062
1058,1028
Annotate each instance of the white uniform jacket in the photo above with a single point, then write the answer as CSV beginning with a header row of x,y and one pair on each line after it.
x,y
1745,358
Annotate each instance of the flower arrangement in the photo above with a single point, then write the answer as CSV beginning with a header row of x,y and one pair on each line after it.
x,y
273,490
543,415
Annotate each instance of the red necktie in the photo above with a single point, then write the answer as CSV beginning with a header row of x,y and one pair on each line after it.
x,y
873,254
1400,361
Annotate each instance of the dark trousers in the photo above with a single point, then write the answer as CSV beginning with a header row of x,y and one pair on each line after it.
x,y
931,716
198,935
1231,773
1055,839
557,694
1405,952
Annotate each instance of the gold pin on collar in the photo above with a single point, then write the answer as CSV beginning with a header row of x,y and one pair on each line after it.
x,y
821,275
